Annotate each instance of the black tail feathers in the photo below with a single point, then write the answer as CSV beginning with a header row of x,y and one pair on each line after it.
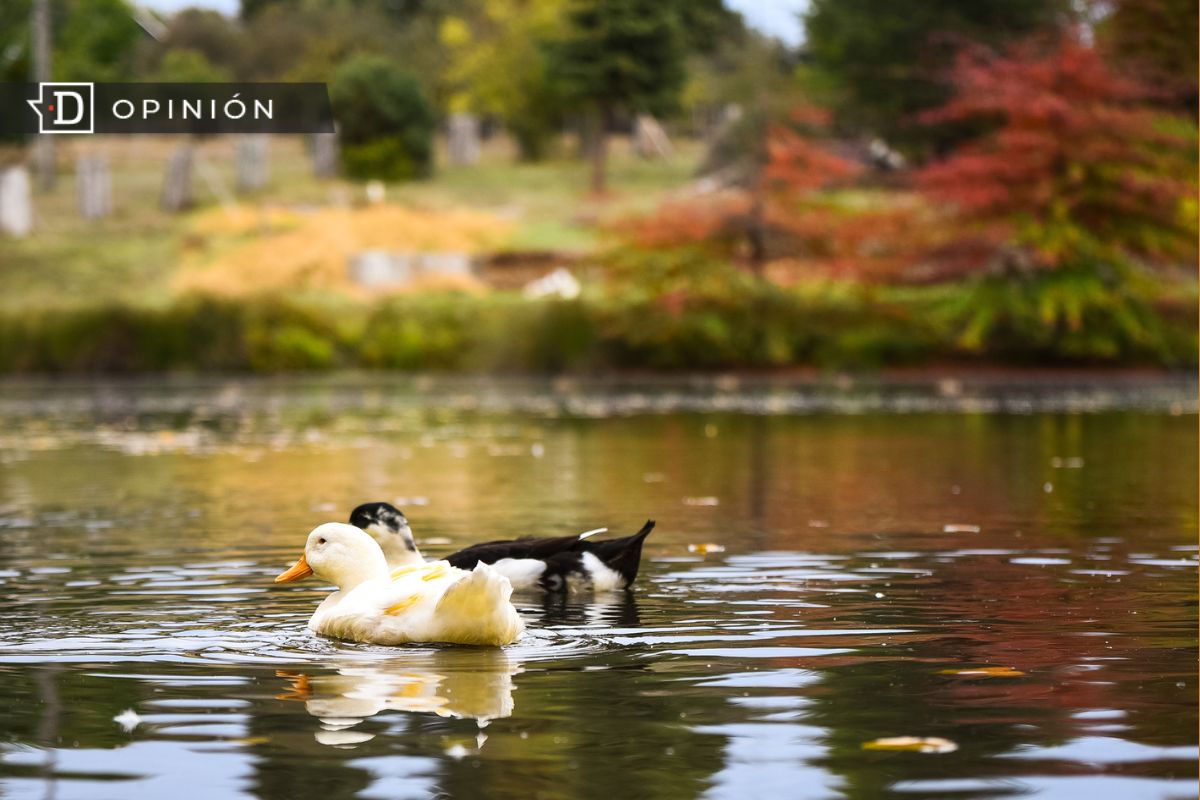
x,y
625,554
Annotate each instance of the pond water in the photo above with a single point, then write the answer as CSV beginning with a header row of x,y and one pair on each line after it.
x,y
1009,573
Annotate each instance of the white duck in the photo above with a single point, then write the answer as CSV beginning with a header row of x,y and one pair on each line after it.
x,y
425,602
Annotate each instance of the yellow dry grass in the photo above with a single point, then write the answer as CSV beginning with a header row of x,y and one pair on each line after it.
x,y
248,250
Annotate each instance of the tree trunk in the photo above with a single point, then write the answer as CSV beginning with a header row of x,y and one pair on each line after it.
x,y
756,230
43,146
600,153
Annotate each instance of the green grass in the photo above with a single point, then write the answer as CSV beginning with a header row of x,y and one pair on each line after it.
x,y
549,201
133,255
106,266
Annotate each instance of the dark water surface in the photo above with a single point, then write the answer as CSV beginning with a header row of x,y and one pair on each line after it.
x,y
1011,571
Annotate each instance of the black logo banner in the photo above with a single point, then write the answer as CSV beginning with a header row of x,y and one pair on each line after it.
x,y
164,108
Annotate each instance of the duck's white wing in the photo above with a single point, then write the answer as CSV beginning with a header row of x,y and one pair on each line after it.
x,y
436,602
478,608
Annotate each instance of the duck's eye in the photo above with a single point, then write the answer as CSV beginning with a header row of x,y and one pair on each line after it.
x,y
321,540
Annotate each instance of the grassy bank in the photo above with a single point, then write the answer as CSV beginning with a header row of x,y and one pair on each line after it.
x,y
761,326
135,255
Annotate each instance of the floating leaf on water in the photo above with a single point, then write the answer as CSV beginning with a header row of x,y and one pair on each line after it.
x,y
654,477
912,744
952,528
435,540
705,548
701,501
984,672
818,523
128,719
537,449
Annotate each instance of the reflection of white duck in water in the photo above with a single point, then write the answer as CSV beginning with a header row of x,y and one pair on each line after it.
x,y
554,563
463,684
424,602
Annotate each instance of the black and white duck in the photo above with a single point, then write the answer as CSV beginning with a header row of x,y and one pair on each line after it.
x,y
554,563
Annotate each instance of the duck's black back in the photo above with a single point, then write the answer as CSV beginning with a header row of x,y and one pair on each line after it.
x,y
562,554
530,547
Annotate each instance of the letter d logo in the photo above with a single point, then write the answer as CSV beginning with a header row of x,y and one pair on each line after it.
x,y
65,107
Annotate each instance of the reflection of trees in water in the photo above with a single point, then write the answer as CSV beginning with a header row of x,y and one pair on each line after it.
x,y
47,733
67,706
985,612
599,722
600,726
292,766
880,473
599,733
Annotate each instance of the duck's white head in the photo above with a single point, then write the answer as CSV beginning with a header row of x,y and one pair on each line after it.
x,y
388,526
340,554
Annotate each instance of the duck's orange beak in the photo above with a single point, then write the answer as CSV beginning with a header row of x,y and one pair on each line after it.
x,y
296,572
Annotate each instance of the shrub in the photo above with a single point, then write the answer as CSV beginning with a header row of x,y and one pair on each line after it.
x,y
737,325
1081,313
385,122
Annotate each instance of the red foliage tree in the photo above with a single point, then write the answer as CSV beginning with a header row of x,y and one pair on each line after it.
x,y
797,164
1076,165
791,201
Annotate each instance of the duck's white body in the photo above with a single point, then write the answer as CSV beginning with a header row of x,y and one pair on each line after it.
x,y
433,602
428,602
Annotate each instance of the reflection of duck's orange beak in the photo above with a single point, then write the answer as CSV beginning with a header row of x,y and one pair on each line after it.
x,y
296,572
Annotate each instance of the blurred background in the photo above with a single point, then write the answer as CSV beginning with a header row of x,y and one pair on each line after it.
x,y
590,185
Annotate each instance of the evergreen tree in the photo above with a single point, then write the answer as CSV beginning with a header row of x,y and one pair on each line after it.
x,y
618,56
1157,40
884,61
